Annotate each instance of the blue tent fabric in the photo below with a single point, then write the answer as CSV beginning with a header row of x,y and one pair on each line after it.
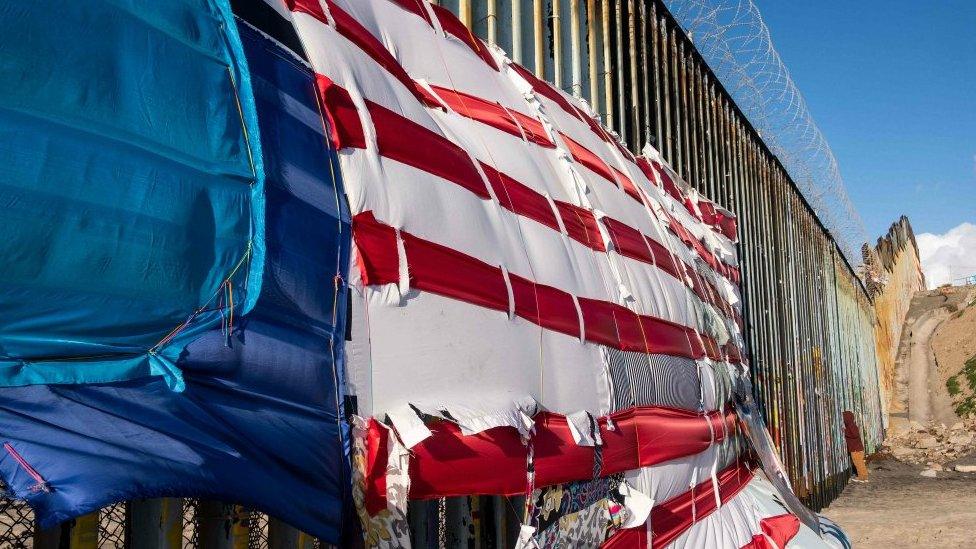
x,y
259,421
132,186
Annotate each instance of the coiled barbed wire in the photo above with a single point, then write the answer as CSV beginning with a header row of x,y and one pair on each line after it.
x,y
735,41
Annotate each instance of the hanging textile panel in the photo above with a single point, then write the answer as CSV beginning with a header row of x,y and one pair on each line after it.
x,y
258,422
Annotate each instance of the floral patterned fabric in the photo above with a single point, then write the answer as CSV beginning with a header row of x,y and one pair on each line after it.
x,y
578,514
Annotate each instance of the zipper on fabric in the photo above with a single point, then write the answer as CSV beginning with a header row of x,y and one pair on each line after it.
x,y
40,485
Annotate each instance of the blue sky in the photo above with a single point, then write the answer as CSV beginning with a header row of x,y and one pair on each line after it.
x,y
892,85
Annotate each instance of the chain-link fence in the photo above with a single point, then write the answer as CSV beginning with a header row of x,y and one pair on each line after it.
x,y
112,529
257,531
16,524
191,534
17,527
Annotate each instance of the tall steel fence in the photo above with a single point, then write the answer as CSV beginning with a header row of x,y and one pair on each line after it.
x,y
809,321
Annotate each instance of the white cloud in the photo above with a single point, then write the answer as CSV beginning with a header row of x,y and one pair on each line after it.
x,y
946,257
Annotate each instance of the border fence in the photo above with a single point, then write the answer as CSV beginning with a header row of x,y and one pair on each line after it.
x,y
810,324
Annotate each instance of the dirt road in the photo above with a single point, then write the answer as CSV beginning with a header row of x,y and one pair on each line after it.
x,y
899,508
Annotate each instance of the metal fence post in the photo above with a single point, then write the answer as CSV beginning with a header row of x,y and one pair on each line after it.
x,y
156,523
222,525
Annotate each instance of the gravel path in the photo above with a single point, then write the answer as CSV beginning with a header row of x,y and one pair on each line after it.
x,y
900,508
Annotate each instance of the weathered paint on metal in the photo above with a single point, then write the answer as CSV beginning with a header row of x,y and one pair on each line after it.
x,y
156,523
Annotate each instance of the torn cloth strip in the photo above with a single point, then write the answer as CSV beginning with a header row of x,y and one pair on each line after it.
x,y
258,423
673,517
447,272
450,464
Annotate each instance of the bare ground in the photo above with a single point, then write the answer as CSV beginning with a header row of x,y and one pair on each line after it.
x,y
900,508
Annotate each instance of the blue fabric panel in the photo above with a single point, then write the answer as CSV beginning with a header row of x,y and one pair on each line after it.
x,y
259,421
131,185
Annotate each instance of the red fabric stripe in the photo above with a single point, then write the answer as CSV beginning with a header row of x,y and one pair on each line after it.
x,y
345,126
543,88
629,242
494,115
668,338
533,129
587,158
695,283
374,240
377,456
451,464
455,27
664,259
600,323
645,167
596,128
728,225
403,140
581,225
436,268
519,198
669,185
781,529
708,213
445,271
732,352
673,517
353,31
628,185
416,7
712,350
758,542
544,305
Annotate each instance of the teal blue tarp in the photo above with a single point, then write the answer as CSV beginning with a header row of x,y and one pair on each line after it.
x,y
131,191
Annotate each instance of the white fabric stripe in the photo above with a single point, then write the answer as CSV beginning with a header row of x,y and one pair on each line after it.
x,y
735,524
666,480
436,351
